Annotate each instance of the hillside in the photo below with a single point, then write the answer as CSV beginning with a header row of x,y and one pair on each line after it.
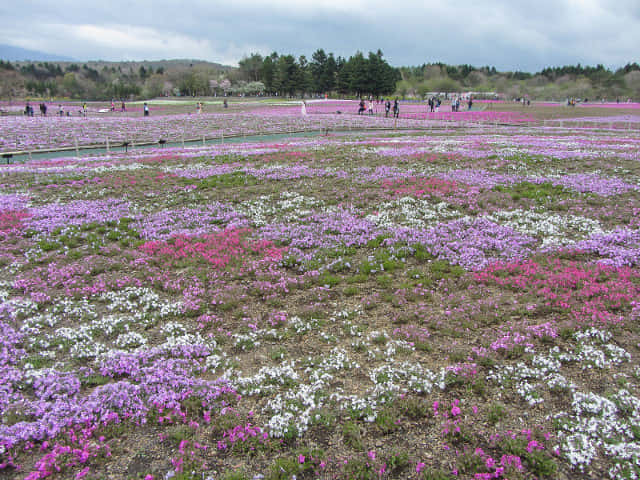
x,y
11,53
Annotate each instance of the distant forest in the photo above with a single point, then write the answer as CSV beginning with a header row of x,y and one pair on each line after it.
x,y
322,74
552,83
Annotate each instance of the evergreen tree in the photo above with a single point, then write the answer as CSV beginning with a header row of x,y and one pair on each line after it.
x,y
358,74
329,74
250,67
286,75
267,72
343,75
318,66
304,79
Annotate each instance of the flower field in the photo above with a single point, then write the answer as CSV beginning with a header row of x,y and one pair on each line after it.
x,y
460,302
54,132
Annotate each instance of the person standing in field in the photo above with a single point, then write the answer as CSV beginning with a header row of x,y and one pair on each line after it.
x,y
146,109
387,107
396,108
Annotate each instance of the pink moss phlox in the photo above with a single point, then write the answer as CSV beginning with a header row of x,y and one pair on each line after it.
x,y
218,249
591,293
241,434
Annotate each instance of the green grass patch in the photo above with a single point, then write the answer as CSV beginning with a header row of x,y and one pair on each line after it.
x,y
540,193
386,420
376,242
327,279
357,278
227,180
441,269
38,361
94,380
421,253
496,413
384,281
352,435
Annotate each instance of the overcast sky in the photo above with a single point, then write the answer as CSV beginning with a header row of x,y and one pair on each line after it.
x,y
507,34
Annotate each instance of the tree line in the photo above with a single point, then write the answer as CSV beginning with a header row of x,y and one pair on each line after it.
x,y
551,83
322,74
275,74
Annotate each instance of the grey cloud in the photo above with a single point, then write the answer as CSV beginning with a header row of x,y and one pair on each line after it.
x,y
509,34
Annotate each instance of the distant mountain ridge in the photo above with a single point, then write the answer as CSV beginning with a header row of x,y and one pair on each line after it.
x,y
13,54
23,56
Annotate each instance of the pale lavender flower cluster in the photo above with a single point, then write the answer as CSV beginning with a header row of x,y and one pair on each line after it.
x,y
212,171
13,202
480,178
471,243
48,217
156,383
323,230
290,172
383,172
188,221
276,172
579,182
620,247
590,183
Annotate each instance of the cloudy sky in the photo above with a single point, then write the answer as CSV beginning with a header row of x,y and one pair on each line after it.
x,y
507,34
